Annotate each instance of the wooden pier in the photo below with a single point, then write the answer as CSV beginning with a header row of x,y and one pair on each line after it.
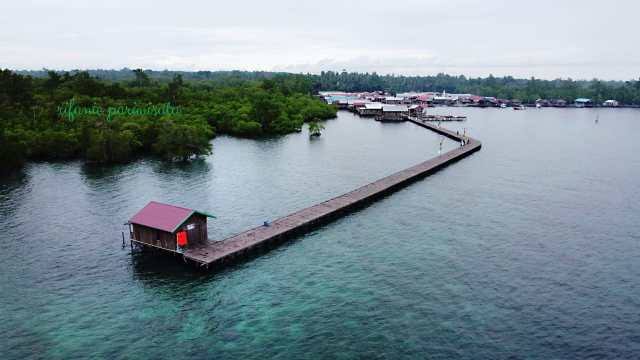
x,y
215,254
436,118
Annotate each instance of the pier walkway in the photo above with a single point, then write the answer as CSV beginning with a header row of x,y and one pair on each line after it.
x,y
221,252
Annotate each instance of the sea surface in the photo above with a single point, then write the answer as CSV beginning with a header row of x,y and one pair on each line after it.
x,y
529,248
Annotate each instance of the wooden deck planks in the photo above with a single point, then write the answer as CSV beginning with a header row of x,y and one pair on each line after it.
x,y
302,220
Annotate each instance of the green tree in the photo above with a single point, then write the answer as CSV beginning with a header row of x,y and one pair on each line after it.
x,y
13,151
141,78
315,128
181,138
174,88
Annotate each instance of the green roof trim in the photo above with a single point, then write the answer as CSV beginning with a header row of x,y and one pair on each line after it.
x,y
190,215
206,214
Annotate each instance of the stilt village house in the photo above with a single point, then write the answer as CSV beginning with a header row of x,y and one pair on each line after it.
x,y
168,227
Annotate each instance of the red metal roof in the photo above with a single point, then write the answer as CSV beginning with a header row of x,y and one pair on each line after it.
x,y
161,216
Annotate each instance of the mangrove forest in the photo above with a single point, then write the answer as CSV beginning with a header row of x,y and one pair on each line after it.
x,y
76,115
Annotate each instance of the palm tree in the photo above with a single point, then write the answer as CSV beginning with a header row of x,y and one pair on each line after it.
x,y
315,128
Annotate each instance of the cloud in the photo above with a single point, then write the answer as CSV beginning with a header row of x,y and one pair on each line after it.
x,y
549,39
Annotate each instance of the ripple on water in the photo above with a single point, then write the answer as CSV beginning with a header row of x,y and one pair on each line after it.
x,y
527,249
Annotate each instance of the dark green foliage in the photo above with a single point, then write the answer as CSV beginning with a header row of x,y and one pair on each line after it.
x,y
52,144
507,87
13,149
141,79
32,126
109,144
181,137
247,128
315,128
256,109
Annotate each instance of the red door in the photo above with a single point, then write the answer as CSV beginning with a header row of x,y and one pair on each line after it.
x,y
181,237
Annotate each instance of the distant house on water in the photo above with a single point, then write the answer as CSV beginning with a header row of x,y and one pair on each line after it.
x,y
393,113
370,109
393,100
558,103
583,102
416,110
543,103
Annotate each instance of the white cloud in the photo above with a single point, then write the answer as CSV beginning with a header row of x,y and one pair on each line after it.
x,y
580,39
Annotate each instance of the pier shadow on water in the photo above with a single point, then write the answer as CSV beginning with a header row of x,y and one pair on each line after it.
x,y
154,266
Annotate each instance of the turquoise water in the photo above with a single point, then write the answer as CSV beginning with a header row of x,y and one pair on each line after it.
x,y
526,249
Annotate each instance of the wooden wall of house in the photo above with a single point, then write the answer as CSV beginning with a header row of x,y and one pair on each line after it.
x,y
199,233
167,240
154,237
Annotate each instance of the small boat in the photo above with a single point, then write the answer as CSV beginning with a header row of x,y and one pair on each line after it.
x,y
519,107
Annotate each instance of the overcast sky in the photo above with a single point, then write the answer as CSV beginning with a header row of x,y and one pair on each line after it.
x,y
543,38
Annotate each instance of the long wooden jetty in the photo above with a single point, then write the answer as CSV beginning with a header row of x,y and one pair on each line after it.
x,y
437,118
218,253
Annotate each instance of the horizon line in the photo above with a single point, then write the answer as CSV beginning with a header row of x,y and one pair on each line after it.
x,y
319,73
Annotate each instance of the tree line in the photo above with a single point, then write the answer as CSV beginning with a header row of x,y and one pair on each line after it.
x,y
32,126
507,87
239,103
